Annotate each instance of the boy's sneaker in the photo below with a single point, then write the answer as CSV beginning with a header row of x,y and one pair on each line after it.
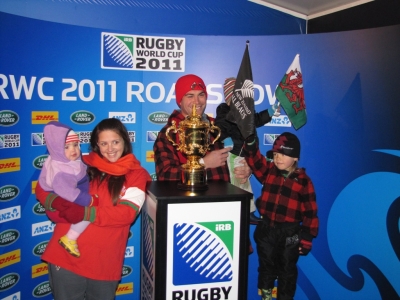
x,y
70,245
265,294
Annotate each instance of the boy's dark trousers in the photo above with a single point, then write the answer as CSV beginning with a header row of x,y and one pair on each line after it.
x,y
278,253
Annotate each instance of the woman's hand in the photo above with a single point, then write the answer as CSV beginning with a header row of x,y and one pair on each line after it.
x,y
76,213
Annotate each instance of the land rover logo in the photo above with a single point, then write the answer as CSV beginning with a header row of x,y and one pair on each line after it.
x,y
8,281
38,209
158,117
42,289
82,117
126,270
39,248
8,192
8,118
7,237
38,162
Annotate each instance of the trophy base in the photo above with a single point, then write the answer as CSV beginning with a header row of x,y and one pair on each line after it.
x,y
192,188
193,179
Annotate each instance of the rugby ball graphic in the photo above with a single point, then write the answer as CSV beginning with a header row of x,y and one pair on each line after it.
x,y
117,50
200,255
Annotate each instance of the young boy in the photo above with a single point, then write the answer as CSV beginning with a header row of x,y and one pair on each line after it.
x,y
65,174
288,209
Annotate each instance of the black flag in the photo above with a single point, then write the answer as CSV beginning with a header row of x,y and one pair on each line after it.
x,y
242,104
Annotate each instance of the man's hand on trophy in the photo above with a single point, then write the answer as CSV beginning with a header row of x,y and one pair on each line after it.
x,y
216,158
242,171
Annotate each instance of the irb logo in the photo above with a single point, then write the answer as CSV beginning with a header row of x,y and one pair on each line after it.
x,y
117,51
203,252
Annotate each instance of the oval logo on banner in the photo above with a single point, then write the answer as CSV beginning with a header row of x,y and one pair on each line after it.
x,y
39,248
38,209
82,117
8,281
158,117
39,161
42,289
8,118
8,192
126,270
7,237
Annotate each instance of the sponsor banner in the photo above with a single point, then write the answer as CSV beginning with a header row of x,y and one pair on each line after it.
x,y
8,118
37,139
10,258
129,251
124,117
10,214
142,53
33,186
126,270
41,290
82,117
10,165
124,288
38,162
203,250
15,296
9,141
39,270
84,137
132,136
8,237
9,280
38,250
280,121
158,117
38,209
44,117
42,228
269,138
151,136
8,192
149,156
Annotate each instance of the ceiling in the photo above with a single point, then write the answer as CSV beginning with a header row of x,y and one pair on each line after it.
x,y
309,9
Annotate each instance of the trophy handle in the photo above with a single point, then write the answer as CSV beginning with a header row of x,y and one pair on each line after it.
x,y
173,127
212,128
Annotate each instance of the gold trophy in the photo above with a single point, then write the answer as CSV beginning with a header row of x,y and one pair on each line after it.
x,y
194,141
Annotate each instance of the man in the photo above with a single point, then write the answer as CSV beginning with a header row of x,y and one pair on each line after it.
x,y
190,90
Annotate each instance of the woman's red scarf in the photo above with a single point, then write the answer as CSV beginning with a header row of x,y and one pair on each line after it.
x,y
118,168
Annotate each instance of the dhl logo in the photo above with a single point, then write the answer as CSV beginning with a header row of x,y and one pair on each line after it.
x,y
44,117
10,165
125,288
39,270
10,258
149,156
275,292
34,183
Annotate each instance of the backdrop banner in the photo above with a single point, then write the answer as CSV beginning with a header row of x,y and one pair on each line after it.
x,y
350,145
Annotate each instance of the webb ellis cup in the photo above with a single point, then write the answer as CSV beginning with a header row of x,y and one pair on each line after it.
x,y
194,141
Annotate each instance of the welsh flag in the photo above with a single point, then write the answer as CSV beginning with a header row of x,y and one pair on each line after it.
x,y
290,94
242,104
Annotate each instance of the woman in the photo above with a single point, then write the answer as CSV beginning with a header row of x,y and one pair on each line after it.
x,y
118,179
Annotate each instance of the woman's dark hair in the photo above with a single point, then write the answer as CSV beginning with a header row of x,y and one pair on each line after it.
x,y
115,183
